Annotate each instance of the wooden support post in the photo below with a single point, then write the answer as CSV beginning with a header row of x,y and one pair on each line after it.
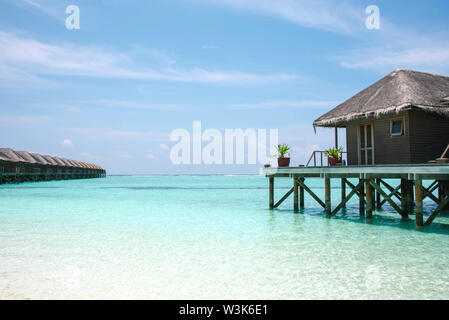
x,y
378,197
343,191
271,191
295,196
369,200
404,197
445,191
362,198
411,196
301,195
327,196
419,202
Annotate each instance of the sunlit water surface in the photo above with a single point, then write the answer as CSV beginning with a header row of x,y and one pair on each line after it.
x,y
208,237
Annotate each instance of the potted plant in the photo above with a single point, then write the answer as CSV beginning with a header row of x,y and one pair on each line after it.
x,y
283,155
333,156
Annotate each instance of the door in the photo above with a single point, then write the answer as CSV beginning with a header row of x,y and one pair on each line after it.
x,y
366,144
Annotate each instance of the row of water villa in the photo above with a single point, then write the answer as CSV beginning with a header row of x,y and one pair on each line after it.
x,y
23,166
398,128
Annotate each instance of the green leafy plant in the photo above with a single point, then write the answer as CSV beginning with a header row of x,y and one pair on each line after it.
x,y
282,150
334,153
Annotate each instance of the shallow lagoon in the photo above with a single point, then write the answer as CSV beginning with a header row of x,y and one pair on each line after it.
x,y
208,237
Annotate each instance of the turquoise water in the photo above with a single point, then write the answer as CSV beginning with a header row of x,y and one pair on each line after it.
x,y
207,237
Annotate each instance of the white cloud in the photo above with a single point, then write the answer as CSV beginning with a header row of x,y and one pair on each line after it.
x,y
432,57
67,143
284,104
21,56
102,134
127,104
14,121
56,10
331,15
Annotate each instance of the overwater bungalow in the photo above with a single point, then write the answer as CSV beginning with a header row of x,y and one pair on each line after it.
x,y
397,128
401,119
32,165
23,166
46,166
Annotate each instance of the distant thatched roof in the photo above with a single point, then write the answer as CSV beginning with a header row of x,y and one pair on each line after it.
x,y
39,159
26,156
9,155
70,162
77,163
50,160
399,90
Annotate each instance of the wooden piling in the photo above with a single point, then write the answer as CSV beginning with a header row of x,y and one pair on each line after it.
x,y
411,196
301,195
271,191
378,196
369,200
419,202
405,202
362,199
327,196
445,193
295,196
343,190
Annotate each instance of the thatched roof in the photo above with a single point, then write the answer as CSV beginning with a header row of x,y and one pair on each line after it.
x,y
77,163
50,160
39,159
26,156
70,162
61,160
401,89
9,155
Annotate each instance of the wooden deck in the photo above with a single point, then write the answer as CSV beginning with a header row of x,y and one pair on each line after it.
x,y
372,189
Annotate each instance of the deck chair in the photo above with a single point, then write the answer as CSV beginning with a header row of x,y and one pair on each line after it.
x,y
443,158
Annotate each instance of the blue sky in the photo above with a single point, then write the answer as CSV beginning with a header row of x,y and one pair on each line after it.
x,y
112,91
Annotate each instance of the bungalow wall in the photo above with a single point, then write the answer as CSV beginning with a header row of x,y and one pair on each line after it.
x,y
387,149
429,135
426,136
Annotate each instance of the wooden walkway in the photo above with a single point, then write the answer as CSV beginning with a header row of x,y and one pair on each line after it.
x,y
35,177
371,189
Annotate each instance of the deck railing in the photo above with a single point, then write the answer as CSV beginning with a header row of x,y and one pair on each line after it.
x,y
323,163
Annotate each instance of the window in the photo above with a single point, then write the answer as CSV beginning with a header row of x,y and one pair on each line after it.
x,y
397,127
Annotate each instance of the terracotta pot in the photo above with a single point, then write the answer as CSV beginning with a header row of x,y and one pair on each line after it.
x,y
333,161
283,162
